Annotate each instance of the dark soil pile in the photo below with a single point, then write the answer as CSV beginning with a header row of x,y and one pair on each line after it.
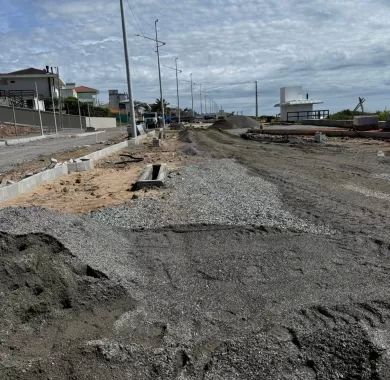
x,y
50,302
236,122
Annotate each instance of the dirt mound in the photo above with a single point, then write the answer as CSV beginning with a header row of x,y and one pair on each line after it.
x,y
49,299
236,122
7,130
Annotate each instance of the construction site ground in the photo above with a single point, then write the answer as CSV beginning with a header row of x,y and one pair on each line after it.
x,y
256,260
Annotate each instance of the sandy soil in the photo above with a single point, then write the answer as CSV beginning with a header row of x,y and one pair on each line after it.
x,y
110,183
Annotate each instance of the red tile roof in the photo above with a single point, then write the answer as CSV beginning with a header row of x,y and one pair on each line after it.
x,y
82,89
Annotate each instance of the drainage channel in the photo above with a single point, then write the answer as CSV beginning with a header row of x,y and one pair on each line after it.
x,y
153,176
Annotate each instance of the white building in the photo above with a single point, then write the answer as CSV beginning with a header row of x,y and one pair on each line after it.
x,y
69,91
295,105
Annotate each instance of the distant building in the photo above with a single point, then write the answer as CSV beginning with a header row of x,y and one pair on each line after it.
x,y
114,99
69,91
87,95
19,87
295,105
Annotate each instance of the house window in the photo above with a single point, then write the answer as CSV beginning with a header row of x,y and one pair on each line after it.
x,y
12,81
3,82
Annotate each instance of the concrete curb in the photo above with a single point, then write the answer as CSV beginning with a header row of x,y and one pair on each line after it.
x,y
81,164
24,140
85,134
30,183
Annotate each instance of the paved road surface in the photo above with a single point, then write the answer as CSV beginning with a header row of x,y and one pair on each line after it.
x,y
13,155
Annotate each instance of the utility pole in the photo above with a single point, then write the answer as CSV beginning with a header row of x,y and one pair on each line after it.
x,y
177,89
128,75
205,104
54,111
81,123
201,104
192,97
39,107
257,103
159,74
13,111
59,98
89,116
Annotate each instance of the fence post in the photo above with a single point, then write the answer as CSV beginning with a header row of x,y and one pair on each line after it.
x,y
13,111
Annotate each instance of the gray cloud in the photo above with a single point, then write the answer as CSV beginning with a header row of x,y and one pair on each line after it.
x,y
338,50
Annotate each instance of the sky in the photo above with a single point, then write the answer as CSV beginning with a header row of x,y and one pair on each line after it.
x,y
337,50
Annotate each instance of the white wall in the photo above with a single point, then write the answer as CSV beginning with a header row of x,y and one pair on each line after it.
x,y
291,93
101,122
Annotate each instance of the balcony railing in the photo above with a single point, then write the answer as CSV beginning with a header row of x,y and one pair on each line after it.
x,y
307,115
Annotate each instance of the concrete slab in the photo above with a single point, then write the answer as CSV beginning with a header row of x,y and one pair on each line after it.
x,y
362,123
29,184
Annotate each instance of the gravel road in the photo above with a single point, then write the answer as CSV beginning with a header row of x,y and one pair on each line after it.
x,y
10,156
220,192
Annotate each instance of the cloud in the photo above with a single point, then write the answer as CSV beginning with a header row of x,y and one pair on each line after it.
x,y
336,50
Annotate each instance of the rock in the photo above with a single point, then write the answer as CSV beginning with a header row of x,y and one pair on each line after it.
x,y
53,160
65,190
135,196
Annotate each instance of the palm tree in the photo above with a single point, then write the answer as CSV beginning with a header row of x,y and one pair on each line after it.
x,y
156,106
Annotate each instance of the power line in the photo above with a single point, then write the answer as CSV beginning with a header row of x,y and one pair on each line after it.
x,y
135,17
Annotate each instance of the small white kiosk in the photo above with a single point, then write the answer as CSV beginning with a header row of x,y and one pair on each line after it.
x,y
295,105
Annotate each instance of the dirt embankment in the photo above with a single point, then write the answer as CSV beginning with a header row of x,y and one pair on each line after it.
x,y
10,131
50,302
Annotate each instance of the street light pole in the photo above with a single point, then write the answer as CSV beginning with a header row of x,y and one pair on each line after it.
x,y
192,97
128,75
257,103
200,97
159,74
177,89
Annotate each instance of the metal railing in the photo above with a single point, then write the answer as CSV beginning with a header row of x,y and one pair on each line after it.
x,y
307,115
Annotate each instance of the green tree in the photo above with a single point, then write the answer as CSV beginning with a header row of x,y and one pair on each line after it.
x,y
71,106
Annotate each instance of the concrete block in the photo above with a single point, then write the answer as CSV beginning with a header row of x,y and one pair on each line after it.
x,y
365,123
80,165
385,125
320,138
153,175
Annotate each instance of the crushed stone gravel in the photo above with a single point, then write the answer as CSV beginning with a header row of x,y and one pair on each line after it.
x,y
218,192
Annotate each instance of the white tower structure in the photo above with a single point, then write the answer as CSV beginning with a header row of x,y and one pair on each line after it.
x,y
295,105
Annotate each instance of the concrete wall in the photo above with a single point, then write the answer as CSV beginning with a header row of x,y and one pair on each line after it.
x,y
31,117
329,123
101,122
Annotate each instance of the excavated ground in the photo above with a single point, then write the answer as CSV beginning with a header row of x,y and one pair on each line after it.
x,y
95,299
